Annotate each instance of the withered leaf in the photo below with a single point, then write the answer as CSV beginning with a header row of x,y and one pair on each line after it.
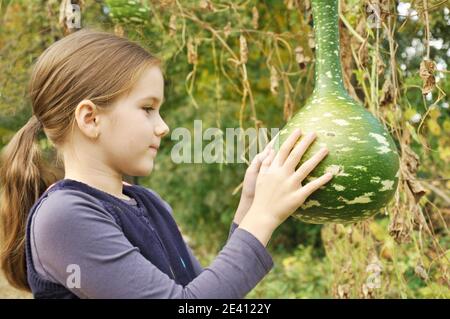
x,y
243,49
300,58
227,30
421,272
410,165
387,92
255,18
274,79
426,72
399,228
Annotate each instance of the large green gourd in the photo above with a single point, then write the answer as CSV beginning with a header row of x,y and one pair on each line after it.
x,y
362,154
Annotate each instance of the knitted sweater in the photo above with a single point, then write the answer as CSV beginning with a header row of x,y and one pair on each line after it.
x,y
128,249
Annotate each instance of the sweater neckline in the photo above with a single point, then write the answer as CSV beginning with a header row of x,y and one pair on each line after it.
x,y
132,201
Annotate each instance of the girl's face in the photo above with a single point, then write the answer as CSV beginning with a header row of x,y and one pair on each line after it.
x,y
133,131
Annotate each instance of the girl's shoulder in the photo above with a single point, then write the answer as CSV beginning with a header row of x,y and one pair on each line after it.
x,y
64,207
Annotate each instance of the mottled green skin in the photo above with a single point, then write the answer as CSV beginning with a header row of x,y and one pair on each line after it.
x,y
364,164
362,154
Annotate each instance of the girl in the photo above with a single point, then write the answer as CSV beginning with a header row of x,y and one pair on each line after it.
x,y
90,235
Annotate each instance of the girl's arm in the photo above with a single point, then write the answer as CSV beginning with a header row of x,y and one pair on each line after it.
x,y
72,228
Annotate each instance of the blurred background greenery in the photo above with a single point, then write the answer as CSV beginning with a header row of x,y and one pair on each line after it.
x,y
251,64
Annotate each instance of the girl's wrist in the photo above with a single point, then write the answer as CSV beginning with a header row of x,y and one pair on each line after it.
x,y
243,207
259,225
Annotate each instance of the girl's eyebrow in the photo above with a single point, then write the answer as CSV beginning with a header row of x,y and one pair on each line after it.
x,y
153,98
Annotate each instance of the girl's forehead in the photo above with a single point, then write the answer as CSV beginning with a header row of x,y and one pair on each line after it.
x,y
150,84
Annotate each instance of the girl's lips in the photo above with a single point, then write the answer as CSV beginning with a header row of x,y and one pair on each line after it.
x,y
156,147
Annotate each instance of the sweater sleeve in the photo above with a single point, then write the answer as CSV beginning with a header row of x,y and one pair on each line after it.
x,y
70,227
232,229
197,266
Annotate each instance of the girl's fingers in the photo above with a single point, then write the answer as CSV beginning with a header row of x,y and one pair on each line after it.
x,y
308,166
267,161
257,161
296,155
311,187
272,142
287,146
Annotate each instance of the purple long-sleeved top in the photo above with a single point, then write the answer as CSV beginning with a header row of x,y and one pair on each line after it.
x,y
67,222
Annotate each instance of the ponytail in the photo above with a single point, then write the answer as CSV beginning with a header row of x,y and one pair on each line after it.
x,y
23,178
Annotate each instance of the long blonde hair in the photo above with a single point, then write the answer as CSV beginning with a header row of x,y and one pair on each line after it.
x,y
87,64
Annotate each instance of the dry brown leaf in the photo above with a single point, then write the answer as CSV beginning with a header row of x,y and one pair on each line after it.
x,y
243,49
381,66
300,58
420,271
343,291
118,30
387,92
206,5
426,72
288,107
411,159
255,18
274,79
384,9
192,52
367,292
410,165
307,4
227,30
400,228
311,41
416,188
173,25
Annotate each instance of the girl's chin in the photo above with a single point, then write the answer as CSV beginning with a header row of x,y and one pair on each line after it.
x,y
144,170
151,166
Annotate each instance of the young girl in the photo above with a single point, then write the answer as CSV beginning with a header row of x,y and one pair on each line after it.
x,y
90,235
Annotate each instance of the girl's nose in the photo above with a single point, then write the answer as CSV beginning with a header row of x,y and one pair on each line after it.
x,y
162,129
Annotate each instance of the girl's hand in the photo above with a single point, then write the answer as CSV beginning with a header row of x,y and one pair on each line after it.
x,y
248,185
279,190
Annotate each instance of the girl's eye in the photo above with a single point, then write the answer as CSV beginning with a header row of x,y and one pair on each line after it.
x,y
147,109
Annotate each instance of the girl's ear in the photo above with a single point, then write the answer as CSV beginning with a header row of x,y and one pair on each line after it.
x,y
86,116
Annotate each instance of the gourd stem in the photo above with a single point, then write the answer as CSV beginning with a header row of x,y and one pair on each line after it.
x,y
328,73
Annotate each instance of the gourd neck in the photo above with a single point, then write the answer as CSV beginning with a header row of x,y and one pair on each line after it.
x,y
328,73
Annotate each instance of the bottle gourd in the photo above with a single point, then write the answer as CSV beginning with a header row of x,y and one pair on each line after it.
x,y
362,155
